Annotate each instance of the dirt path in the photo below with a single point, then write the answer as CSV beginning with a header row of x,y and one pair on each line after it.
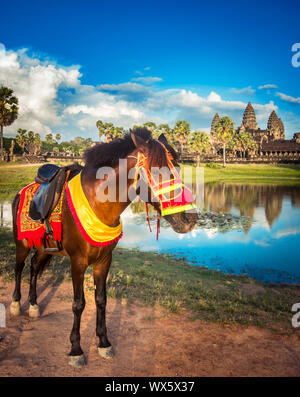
x,y
147,343
21,165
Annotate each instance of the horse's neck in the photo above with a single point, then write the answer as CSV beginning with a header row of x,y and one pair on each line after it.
x,y
108,212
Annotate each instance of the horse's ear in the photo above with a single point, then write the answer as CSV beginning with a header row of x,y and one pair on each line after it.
x,y
162,138
139,142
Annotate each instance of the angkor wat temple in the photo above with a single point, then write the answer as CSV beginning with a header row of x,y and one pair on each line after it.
x,y
271,143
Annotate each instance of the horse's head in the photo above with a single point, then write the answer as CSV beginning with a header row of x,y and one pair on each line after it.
x,y
157,174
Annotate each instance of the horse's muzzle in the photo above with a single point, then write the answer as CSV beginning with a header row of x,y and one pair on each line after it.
x,y
182,222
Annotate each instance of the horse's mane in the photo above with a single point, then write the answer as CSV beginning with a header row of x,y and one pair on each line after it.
x,y
108,154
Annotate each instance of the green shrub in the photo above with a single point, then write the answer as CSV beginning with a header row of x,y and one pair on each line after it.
x,y
213,165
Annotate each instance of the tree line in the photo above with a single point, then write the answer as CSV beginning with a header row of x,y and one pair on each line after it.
x,y
223,138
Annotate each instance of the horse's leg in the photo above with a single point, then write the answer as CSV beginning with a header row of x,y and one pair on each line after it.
x,y
76,356
38,261
101,269
22,251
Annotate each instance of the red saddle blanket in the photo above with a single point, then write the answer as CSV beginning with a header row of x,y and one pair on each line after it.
x,y
32,230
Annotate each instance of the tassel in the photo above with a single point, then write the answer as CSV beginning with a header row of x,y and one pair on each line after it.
x,y
158,225
148,217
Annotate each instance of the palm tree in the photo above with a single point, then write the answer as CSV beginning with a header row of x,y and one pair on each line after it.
x,y
116,132
167,131
225,134
8,111
57,137
152,127
29,142
244,141
182,131
109,131
21,138
49,138
30,136
37,143
104,129
199,143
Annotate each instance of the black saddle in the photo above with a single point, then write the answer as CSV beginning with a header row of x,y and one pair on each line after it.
x,y
52,179
46,173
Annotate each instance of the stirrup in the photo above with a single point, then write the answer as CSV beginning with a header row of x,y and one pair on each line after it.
x,y
49,232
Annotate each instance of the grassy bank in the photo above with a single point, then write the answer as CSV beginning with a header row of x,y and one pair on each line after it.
x,y
253,173
156,279
14,176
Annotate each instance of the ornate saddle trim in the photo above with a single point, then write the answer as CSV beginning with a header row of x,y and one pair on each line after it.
x,y
31,230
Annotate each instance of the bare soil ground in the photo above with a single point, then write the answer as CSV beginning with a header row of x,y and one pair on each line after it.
x,y
147,342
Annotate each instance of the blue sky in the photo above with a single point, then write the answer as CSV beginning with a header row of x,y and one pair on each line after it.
x,y
73,62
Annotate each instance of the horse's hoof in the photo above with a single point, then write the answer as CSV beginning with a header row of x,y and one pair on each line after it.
x,y
15,308
77,361
106,352
34,311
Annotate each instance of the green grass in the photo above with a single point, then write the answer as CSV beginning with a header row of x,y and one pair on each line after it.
x,y
12,179
155,279
13,176
253,173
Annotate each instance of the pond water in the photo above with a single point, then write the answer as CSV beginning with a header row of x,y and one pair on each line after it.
x,y
267,248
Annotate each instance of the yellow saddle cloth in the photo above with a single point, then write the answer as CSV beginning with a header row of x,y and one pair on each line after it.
x,y
93,230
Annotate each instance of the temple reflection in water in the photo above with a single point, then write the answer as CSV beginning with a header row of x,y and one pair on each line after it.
x,y
222,197
242,199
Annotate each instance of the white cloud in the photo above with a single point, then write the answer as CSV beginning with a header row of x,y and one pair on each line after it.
x,y
214,97
262,243
115,110
128,91
288,98
246,90
53,99
263,111
138,72
141,73
2,50
147,79
267,86
36,84
287,232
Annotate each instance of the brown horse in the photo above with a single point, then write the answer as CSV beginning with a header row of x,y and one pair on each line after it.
x,y
82,253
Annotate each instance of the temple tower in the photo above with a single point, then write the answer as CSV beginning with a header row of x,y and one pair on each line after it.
x,y
281,129
215,121
273,121
275,127
249,118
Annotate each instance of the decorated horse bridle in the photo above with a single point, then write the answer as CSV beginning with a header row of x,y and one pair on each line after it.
x,y
182,201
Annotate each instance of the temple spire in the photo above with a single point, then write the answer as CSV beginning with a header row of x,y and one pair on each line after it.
x,y
273,121
215,121
249,118
275,126
281,129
